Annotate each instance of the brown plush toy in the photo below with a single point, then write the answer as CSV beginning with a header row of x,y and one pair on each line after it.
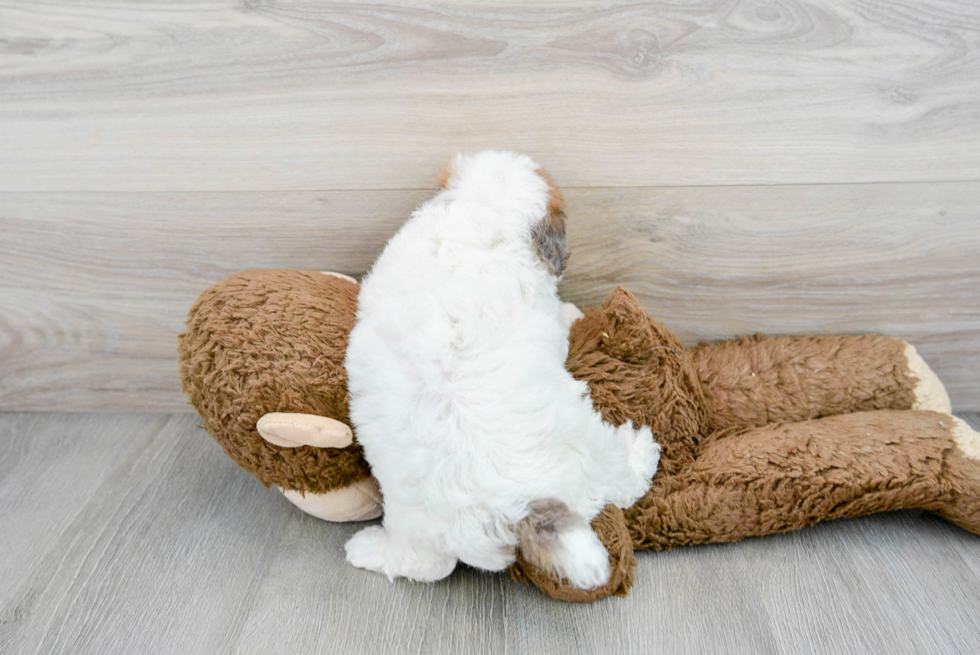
x,y
759,435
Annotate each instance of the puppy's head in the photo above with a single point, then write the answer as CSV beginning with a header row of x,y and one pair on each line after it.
x,y
515,184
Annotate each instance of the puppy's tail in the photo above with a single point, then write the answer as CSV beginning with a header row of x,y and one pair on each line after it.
x,y
555,539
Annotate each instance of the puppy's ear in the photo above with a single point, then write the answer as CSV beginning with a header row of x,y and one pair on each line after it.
x,y
443,177
549,233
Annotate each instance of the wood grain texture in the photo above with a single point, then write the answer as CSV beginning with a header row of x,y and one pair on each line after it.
x,y
284,95
313,601
714,263
39,454
150,562
691,600
135,534
869,586
94,287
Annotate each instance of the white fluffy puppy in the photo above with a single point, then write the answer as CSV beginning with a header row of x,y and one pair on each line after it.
x,y
478,435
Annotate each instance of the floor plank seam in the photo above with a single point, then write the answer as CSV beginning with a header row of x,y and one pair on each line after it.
x,y
420,189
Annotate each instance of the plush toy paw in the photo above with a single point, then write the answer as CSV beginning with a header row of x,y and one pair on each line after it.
x,y
930,394
373,549
958,491
360,501
967,439
341,276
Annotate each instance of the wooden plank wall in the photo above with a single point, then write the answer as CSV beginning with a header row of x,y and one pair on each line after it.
x,y
742,166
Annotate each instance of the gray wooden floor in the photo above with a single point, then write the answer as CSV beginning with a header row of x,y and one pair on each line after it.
x,y
133,533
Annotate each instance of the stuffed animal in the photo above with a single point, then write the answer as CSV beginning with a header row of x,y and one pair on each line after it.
x,y
759,435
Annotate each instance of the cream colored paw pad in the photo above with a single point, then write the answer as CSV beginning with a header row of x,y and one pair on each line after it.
x,y
341,276
930,394
966,438
360,501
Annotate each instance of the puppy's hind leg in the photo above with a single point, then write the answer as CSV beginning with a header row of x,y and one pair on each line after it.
x,y
377,549
557,540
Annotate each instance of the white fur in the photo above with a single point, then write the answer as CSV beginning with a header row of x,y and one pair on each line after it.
x,y
459,393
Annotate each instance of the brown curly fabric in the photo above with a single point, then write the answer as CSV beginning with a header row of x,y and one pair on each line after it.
x,y
637,370
273,341
753,381
784,477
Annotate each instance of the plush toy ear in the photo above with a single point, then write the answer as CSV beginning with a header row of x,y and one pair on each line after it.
x,y
291,430
630,334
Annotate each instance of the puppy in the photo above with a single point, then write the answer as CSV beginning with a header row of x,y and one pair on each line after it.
x,y
479,437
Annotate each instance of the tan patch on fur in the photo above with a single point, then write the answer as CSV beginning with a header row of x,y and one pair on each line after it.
x,y
556,203
966,438
291,430
549,234
442,177
610,527
537,533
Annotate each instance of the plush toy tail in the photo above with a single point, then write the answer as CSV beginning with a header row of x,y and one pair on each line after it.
x,y
784,477
751,382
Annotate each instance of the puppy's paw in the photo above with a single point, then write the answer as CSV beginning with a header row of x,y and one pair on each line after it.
x,y
581,558
367,548
426,567
374,549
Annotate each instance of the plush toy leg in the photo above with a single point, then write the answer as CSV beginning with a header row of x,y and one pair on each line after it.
x,y
964,471
784,477
930,393
751,382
